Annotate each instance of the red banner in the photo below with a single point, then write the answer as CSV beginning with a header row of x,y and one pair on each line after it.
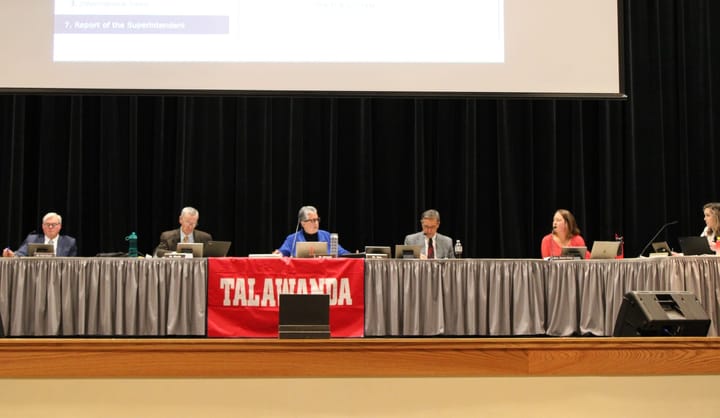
x,y
243,293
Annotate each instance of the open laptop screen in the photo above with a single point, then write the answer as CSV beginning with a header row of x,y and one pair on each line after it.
x,y
577,252
41,250
605,249
373,251
407,251
311,249
695,246
216,248
196,248
661,247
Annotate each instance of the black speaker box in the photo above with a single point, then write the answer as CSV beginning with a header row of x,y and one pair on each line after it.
x,y
304,316
661,314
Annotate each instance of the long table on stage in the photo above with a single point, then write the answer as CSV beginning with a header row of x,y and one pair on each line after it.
x,y
467,297
485,297
103,296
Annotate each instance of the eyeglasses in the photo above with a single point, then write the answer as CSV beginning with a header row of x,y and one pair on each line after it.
x,y
53,225
316,220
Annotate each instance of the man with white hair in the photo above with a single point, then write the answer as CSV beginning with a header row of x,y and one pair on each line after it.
x,y
186,233
65,245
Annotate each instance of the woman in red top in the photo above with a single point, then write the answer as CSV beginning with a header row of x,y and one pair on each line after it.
x,y
711,212
565,233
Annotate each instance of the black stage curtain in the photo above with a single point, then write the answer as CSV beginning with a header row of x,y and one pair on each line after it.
x,y
496,169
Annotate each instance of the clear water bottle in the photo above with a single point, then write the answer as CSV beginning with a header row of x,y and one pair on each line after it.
x,y
458,249
132,244
334,244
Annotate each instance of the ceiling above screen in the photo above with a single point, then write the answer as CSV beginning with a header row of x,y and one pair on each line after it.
x,y
524,47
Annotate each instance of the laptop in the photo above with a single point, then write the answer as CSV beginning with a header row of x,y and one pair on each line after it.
x,y
576,252
661,247
605,249
695,246
407,251
196,248
372,251
216,248
41,250
312,249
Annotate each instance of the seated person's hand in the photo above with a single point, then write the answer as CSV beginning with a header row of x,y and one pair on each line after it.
x,y
7,252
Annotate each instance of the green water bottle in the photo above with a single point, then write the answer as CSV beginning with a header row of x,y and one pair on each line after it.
x,y
132,244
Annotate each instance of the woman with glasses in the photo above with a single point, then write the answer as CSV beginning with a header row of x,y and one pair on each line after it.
x,y
711,215
65,245
309,220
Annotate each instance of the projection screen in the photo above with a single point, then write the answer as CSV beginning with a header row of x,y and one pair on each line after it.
x,y
535,47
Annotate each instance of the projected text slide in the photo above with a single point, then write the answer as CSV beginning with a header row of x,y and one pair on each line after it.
x,y
304,31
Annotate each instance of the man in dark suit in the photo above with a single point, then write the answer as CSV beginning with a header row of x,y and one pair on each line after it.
x,y
186,233
432,244
65,245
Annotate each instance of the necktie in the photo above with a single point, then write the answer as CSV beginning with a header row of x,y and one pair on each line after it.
x,y
431,249
51,242
185,238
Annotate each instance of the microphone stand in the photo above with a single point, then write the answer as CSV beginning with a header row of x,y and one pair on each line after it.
x,y
662,228
292,249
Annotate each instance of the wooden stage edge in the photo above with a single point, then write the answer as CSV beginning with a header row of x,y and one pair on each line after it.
x,y
361,357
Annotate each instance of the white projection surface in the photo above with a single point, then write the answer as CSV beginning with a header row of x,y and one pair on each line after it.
x,y
279,31
354,46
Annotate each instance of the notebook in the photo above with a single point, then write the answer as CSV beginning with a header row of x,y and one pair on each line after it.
x,y
311,249
605,249
577,252
216,248
695,246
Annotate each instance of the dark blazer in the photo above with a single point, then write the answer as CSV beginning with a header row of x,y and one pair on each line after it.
x,y
66,245
170,239
443,244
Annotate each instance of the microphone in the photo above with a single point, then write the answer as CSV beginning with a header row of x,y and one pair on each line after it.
x,y
662,228
292,249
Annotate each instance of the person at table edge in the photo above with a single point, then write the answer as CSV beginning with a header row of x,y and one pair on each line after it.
x,y
565,233
309,219
65,245
432,243
187,232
